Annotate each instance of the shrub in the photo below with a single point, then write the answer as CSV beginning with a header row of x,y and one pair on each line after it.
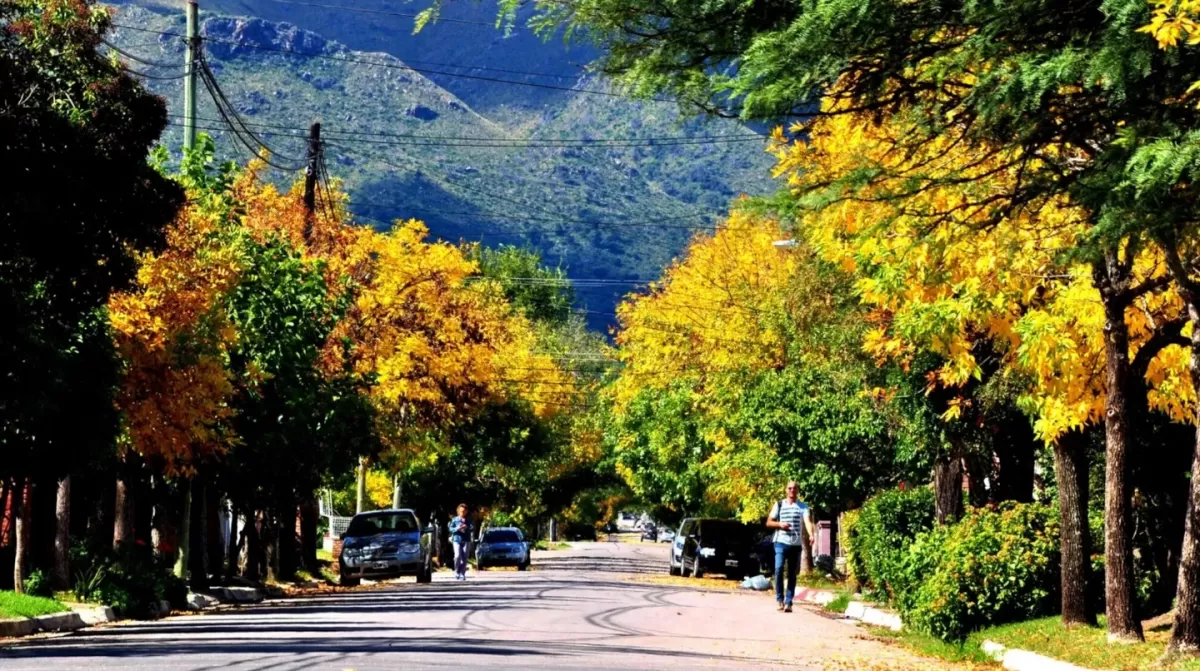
x,y
847,537
37,584
131,580
992,567
887,524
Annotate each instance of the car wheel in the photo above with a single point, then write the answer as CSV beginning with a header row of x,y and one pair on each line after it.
x,y
697,572
672,569
523,566
346,581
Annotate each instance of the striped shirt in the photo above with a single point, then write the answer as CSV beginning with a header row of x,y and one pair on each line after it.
x,y
794,514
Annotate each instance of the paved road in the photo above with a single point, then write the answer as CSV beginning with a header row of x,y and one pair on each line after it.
x,y
580,608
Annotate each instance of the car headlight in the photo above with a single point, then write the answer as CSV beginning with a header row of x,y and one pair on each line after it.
x,y
409,548
707,552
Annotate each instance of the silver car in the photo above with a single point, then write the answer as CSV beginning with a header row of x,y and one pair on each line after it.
x,y
502,546
385,544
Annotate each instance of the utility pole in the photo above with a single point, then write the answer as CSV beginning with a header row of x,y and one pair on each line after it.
x,y
310,178
189,81
361,499
397,490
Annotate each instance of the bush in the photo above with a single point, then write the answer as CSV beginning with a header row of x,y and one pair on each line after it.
x,y
887,524
847,538
131,580
37,584
992,567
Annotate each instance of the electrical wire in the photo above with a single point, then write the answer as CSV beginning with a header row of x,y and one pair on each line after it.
x,y
652,141
139,59
401,66
233,121
147,75
364,10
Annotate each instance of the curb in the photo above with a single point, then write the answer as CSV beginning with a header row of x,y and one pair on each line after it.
x,y
234,595
80,618
856,610
69,621
1023,660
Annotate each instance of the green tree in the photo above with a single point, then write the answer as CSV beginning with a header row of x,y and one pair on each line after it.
x,y
1065,93
81,198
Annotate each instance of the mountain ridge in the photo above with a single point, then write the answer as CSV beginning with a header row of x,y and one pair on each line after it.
x,y
604,212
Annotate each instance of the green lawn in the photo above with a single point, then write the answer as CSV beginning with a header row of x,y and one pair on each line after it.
x,y
839,604
1086,646
967,653
20,605
818,580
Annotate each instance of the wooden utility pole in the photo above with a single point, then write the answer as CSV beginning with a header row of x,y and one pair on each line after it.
x,y
310,178
189,81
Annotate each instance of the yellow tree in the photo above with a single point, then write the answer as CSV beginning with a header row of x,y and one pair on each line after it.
x,y
949,263
737,372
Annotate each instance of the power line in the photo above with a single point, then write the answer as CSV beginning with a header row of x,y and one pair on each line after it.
x,y
554,142
364,10
399,66
139,59
234,122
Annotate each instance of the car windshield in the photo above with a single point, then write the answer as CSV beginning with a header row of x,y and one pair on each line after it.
x,y
501,536
723,530
379,523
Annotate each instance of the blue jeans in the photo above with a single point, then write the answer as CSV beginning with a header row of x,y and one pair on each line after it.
x,y
786,556
462,551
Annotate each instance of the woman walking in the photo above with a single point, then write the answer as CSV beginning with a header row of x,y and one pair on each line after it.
x,y
460,536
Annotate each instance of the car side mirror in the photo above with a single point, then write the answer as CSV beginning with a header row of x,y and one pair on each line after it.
x,y
342,536
429,528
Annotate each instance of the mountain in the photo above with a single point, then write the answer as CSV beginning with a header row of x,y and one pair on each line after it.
x,y
482,159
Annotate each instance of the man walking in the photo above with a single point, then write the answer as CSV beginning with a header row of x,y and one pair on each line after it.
x,y
460,537
793,527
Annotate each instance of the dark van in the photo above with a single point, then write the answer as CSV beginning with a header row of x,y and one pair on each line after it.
x,y
705,545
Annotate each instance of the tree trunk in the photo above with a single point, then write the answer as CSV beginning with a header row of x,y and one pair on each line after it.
x,y
62,535
1071,471
185,534
269,537
235,542
978,467
254,551
947,486
1185,633
285,524
199,539
123,511
309,514
1123,624
24,527
215,548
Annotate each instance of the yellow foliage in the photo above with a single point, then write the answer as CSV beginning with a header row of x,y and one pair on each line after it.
x,y
944,266
173,335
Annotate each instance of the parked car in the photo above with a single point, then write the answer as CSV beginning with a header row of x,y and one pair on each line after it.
x,y
649,532
666,536
502,546
386,544
764,551
705,545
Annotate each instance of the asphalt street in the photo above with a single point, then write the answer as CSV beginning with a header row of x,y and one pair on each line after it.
x,y
579,608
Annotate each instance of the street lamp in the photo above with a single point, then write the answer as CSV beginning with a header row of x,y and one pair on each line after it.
x,y
785,243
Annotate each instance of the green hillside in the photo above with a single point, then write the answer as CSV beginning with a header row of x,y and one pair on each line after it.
x,y
602,212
